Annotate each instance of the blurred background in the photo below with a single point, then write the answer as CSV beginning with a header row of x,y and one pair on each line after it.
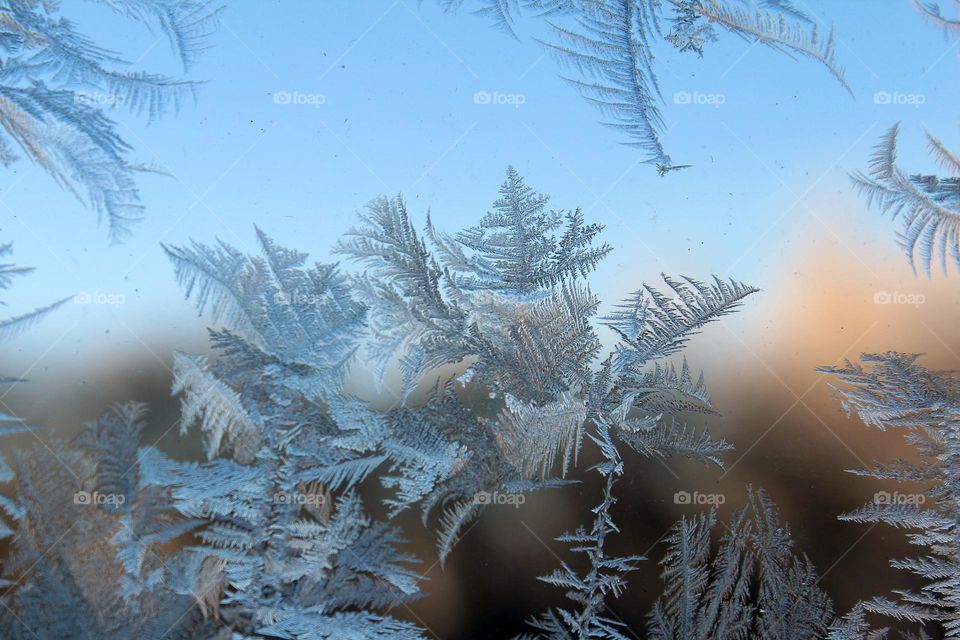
x,y
387,104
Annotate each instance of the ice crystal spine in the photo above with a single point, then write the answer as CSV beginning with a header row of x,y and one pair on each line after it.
x,y
892,391
268,537
928,205
54,83
607,48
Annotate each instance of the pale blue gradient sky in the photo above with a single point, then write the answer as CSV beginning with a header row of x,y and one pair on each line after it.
x,y
398,115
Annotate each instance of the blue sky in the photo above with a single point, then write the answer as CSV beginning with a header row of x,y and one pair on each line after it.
x,y
382,101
